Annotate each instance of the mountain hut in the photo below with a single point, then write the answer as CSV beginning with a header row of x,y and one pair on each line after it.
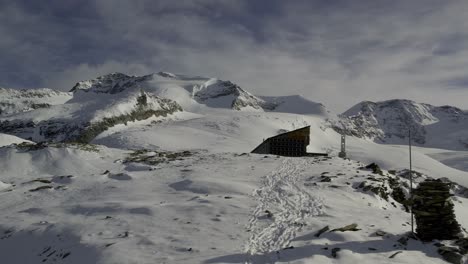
x,y
293,143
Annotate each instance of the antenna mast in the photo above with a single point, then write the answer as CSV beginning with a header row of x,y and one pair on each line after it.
x,y
342,153
411,181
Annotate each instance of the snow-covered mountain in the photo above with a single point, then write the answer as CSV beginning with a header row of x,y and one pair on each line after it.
x,y
193,92
16,101
85,116
93,106
188,91
156,169
389,122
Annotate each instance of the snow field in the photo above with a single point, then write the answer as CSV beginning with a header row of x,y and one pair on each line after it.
x,y
202,208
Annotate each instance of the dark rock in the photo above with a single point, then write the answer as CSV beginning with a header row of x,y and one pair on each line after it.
x,y
334,252
41,188
396,253
380,233
40,180
462,244
321,231
325,179
66,255
375,168
351,227
451,254
120,176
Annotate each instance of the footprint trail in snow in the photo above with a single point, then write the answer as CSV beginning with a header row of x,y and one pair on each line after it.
x,y
284,195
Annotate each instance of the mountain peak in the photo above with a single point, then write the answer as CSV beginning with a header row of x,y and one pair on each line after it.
x,y
210,92
110,83
166,74
389,122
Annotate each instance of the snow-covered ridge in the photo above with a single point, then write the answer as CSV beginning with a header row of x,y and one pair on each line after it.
x,y
86,115
109,83
215,88
389,122
15,101
207,91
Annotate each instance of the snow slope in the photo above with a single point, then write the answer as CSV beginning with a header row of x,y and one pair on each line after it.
x,y
198,208
6,140
217,131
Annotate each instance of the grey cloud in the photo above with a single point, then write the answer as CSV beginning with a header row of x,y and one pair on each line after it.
x,y
456,82
336,52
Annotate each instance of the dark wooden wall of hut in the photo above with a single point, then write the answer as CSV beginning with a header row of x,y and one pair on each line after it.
x,y
293,144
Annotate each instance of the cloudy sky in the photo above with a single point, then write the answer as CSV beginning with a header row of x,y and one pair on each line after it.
x,y
335,52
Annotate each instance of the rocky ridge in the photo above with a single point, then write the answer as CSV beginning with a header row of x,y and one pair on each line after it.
x,y
200,89
390,122
83,118
14,101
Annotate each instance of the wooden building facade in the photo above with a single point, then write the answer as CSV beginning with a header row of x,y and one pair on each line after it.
x,y
292,144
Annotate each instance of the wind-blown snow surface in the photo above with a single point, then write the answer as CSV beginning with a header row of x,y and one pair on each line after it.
x,y
200,208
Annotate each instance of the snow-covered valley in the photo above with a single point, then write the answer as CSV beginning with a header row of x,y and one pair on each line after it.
x,y
182,187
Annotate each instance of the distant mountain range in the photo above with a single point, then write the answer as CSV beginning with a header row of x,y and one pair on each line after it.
x,y
93,106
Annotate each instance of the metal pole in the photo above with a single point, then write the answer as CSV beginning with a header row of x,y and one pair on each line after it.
x,y
411,181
